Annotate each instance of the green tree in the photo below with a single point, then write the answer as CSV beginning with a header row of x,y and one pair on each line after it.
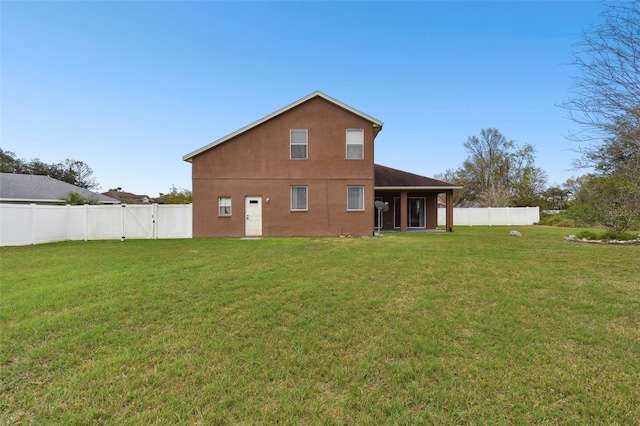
x,y
78,173
175,196
499,173
75,199
9,163
71,171
611,201
555,198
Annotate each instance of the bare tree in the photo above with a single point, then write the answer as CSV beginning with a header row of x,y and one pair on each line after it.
x,y
605,103
605,99
497,172
80,172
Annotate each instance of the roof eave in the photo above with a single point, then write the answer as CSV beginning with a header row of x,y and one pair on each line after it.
x,y
46,200
414,188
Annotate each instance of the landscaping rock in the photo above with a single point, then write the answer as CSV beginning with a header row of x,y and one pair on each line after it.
x,y
573,238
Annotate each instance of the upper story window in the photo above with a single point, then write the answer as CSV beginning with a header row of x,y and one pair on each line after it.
x,y
224,206
299,198
355,144
298,139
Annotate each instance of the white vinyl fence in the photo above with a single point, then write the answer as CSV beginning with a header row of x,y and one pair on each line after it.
x,y
491,216
22,224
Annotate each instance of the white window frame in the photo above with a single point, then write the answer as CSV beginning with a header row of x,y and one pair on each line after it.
x,y
306,196
223,205
354,137
361,201
293,143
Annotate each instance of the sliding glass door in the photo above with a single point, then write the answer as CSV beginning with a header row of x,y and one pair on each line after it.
x,y
416,212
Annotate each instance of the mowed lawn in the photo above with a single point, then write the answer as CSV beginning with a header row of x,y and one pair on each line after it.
x,y
472,327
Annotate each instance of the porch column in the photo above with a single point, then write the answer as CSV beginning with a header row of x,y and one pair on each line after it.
x,y
403,211
449,209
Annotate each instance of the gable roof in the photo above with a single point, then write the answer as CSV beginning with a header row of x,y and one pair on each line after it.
x,y
376,123
21,188
394,179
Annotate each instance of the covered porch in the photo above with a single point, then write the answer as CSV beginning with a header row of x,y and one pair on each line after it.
x,y
412,199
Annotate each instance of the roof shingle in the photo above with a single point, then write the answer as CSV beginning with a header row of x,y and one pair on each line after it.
x,y
35,188
394,178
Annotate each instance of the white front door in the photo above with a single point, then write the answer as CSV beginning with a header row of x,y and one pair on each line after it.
x,y
253,216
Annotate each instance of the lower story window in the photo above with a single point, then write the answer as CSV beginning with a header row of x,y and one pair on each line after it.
x,y
299,198
355,197
224,206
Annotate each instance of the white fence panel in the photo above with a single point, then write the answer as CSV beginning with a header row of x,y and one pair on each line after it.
x,y
173,221
491,216
50,224
16,223
77,225
22,224
104,222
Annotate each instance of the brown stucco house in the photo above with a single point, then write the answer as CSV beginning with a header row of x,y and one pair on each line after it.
x,y
307,170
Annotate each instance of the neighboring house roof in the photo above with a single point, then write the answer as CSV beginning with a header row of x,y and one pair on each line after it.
x,y
376,123
19,188
390,179
128,197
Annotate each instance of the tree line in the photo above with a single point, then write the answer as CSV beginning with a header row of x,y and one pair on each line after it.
x,y
500,173
605,105
71,171
77,173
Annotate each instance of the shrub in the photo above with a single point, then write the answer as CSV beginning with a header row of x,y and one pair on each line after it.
x,y
606,235
565,222
560,219
588,235
75,199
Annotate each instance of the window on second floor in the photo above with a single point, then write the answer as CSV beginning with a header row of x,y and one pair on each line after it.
x,y
355,144
298,139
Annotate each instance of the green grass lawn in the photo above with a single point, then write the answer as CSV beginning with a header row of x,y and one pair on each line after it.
x,y
473,327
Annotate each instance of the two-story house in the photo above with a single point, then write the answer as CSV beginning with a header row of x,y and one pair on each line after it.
x,y
306,170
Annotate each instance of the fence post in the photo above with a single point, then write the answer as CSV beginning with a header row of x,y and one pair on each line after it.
x,y
86,222
123,221
67,222
33,223
154,221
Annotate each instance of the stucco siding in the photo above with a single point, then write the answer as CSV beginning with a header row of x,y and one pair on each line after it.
x,y
263,152
326,213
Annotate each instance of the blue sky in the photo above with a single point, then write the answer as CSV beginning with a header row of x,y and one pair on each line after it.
x,y
131,87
